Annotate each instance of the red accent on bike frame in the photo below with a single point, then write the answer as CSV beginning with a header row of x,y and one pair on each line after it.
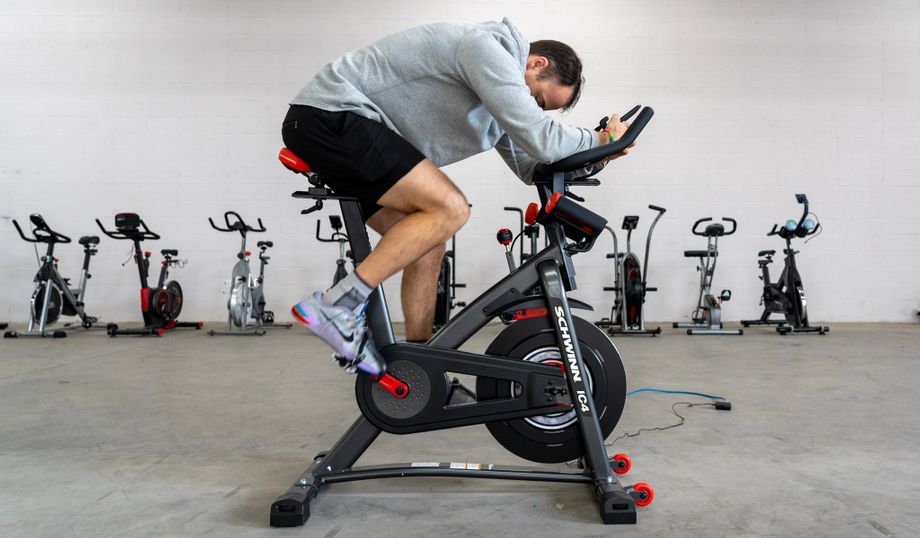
x,y
508,241
530,216
292,162
145,299
553,200
247,252
528,313
394,386
146,253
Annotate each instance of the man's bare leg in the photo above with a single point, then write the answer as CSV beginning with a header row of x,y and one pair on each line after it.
x,y
434,209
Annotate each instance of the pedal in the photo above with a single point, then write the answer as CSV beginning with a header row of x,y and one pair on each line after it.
x,y
726,295
268,317
342,362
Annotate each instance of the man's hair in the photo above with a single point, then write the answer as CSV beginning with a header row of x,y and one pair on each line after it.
x,y
564,66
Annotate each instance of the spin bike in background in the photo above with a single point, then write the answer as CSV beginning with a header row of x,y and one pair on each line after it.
x,y
630,285
787,295
337,237
247,297
548,389
53,295
160,306
446,297
706,318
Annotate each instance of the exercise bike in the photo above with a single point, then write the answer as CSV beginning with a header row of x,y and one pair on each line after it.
x,y
548,389
53,295
246,295
787,295
706,317
339,237
630,284
160,306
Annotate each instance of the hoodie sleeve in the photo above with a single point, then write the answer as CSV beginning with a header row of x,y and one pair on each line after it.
x,y
488,68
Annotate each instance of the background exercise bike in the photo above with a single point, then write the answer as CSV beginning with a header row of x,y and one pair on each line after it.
x,y
787,295
549,389
630,284
160,306
53,295
706,317
246,299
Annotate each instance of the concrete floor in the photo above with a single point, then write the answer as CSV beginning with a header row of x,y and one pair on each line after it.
x,y
191,435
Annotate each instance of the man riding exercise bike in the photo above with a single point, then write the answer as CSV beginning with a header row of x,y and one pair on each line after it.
x,y
379,122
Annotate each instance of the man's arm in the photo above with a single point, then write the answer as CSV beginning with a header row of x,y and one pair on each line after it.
x,y
523,165
496,77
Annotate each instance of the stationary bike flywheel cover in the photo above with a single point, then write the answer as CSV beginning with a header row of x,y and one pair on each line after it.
x,y
54,304
240,304
532,439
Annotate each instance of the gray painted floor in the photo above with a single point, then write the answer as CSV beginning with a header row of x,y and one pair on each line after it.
x,y
191,435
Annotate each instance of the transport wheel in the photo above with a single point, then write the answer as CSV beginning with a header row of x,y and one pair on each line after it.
x,y
643,487
627,464
54,304
555,437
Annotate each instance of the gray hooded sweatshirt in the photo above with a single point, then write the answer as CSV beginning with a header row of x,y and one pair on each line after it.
x,y
452,90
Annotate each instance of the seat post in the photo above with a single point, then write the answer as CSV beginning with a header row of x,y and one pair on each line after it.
x,y
377,313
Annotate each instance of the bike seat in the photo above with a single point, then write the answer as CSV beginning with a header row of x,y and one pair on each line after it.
x,y
766,253
266,244
89,240
292,162
169,252
700,253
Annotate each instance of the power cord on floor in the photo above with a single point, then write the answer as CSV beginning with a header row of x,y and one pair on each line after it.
x,y
720,404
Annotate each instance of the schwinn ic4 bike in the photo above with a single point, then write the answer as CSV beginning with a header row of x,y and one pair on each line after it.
x,y
549,389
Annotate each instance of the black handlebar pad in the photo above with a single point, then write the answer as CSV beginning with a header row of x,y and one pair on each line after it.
x,y
586,158
657,208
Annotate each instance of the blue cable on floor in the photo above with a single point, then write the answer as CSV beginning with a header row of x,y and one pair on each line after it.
x,y
665,391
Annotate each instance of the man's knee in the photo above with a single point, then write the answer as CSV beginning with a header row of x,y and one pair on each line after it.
x,y
456,209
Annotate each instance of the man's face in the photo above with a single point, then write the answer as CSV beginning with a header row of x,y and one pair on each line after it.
x,y
548,93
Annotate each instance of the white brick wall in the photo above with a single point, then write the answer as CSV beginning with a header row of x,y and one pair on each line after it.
x,y
102,100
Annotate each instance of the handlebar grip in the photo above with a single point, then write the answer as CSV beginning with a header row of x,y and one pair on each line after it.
x,y
697,223
657,208
734,225
586,158
515,209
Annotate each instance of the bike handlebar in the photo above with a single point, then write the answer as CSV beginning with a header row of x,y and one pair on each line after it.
x,y
336,237
589,157
696,225
42,233
239,225
140,235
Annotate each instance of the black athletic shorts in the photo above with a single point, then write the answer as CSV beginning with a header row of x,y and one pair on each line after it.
x,y
356,156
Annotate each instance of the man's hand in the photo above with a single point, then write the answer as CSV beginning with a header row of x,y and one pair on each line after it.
x,y
617,128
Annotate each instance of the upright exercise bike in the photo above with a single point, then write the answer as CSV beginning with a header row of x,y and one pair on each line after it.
x,y
549,389
706,318
787,295
160,306
246,300
339,237
53,295
630,284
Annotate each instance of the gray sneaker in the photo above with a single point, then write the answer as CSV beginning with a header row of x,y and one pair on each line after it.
x,y
344,330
